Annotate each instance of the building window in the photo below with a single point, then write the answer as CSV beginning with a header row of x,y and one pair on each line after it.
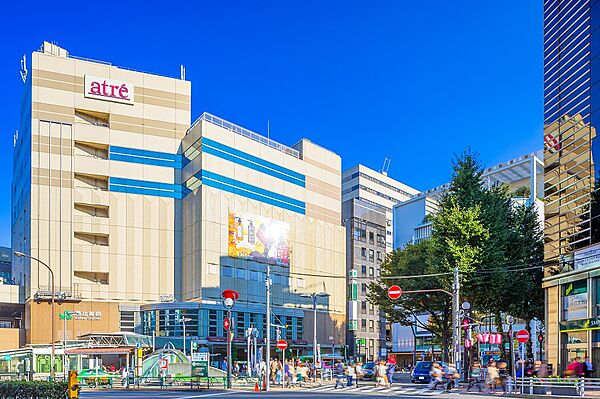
x,y
381,240
363,325
371,237
127,321
371,255
240,273
371,308
363,307
360,232
239,325
379,256
363,270
212,323
371,326
371,271
299,331
227,271
363,253
363,288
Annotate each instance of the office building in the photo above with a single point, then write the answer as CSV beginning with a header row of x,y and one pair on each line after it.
x,y
145,218
368,197
572,239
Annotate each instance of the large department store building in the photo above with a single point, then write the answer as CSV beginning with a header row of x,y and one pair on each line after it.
x,y
145,218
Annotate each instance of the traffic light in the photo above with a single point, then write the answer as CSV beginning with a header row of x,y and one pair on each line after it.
x,y
465,324
73,385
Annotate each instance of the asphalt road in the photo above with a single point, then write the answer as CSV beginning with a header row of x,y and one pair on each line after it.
x,y
120,394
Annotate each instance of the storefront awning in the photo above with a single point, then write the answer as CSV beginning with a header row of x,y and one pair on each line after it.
x,y
123,350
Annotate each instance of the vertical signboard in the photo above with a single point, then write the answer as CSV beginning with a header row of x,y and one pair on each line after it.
x,y
200,364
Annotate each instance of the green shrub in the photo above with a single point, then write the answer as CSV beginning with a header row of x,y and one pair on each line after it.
x,y
33,390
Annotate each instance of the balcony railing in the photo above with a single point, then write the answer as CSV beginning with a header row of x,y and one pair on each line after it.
x,y
215,120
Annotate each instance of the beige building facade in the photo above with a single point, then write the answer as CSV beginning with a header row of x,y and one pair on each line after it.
x,y
144,218
94,191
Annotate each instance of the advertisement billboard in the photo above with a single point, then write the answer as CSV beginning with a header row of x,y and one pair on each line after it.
x,y
258,238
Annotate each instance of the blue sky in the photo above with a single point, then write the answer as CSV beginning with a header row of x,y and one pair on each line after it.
x,y
413,81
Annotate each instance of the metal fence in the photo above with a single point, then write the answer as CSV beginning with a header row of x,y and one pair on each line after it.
x,y
553,386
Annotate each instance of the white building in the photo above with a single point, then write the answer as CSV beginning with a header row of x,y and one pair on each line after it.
x,y
378,189
410,224
367,200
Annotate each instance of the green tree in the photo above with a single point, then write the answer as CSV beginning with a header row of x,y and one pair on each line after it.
x,y
479,230
414,260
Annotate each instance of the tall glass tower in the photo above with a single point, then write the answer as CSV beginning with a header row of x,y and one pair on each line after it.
x,y
572,212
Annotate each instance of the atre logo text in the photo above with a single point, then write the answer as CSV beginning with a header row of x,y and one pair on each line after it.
x,y
108,89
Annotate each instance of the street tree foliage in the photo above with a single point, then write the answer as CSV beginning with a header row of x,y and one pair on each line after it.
x,y
491,238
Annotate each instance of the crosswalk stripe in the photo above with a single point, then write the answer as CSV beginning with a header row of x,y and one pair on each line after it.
x,y
366,389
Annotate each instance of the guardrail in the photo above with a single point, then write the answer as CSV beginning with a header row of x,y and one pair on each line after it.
x,y
553,386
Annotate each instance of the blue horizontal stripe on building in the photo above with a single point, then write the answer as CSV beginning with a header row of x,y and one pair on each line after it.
x,y
146,157
249,191
260,165
132,186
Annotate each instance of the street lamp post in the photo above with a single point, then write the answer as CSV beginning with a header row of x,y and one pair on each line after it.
x,y
52,354
511,320
66,315
314,297
229,298
183,320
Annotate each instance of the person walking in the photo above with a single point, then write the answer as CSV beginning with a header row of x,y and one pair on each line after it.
x,y
588,368
359,372
451,374
575,368
492,376
436,376
350,373
502,374
391,369
338,373
475,376
381,374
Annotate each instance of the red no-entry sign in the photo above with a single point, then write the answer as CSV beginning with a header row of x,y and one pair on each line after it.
x,y
282,344
394,292
226,323
522,336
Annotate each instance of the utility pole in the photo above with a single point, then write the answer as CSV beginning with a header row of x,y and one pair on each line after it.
x,y
268,351
456,318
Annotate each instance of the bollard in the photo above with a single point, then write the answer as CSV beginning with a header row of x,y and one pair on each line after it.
x,y
582,387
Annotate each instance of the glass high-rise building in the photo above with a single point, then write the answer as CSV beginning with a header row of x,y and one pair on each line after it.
x,y
572,213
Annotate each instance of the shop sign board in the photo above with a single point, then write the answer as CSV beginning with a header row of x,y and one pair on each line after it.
x,y
586,258
108,89
580,325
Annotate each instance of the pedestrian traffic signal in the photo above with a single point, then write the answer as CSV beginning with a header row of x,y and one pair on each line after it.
x,y
73,385
540,337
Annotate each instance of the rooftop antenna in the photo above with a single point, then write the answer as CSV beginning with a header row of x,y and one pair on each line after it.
x,y
23,70
386,166
182,72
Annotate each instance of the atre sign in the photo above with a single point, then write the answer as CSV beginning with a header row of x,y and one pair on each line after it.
x,y
108,89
